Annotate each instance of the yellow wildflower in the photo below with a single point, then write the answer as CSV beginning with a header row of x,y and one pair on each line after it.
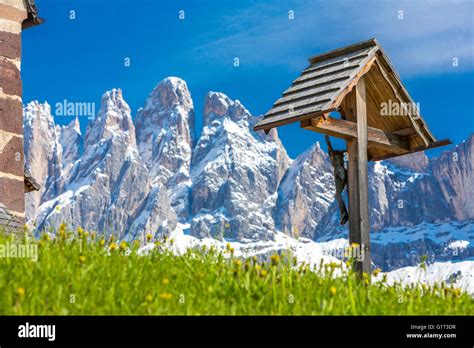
x,y
21,292
113,246
102,242
62,231
332,290
166,296
80,231
376,272
263,273
165,281
148,237
334,265
82,258
123,245
149,297
275,259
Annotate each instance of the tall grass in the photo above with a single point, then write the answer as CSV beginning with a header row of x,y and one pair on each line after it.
x,y
80,273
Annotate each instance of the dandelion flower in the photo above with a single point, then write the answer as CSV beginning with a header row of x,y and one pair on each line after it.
x,y
165,281
82,258
113,246
377,272
457,292
148,237
21,292
166,296
275,259
102,242
123,245
80,231
263,273
333,290
149,297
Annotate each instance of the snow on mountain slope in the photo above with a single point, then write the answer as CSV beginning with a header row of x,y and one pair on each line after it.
x,y
233,183
235,174
108,183
305,193
459,274
165,136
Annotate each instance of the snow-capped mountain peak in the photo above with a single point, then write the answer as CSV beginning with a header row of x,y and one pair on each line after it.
x,y
234,184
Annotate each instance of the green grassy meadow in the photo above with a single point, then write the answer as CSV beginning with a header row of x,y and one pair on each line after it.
x,y
78,273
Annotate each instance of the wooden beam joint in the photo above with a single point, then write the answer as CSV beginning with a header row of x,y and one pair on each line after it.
x,y
347,130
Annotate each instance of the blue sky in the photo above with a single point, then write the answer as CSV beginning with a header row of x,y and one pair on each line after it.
x,y
78,60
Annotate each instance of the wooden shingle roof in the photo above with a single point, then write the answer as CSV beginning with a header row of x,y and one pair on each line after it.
x,y
318,86
330,77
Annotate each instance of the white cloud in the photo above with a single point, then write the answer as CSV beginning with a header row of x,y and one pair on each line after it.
x,y
425,41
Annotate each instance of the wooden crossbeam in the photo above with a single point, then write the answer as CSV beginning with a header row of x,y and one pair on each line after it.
x,y
418,149
347,130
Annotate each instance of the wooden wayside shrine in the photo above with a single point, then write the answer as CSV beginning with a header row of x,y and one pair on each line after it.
x,y
378,119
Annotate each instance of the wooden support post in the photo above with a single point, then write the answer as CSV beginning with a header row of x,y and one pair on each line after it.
x,y
359,226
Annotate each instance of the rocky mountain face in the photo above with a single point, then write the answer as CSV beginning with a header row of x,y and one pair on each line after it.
x,y
152,175
413,196
235,174
305,193
165,137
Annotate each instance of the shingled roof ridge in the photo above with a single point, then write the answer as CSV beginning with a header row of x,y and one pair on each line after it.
x,y
343,50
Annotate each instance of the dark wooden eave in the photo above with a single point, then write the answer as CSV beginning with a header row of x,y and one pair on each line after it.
x,y
32,19
30,183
